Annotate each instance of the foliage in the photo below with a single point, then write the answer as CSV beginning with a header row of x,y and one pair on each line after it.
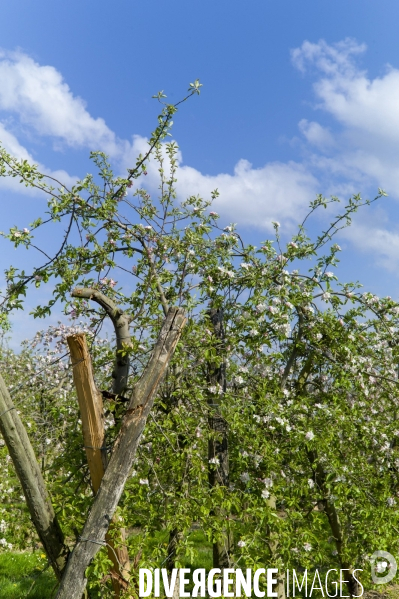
x,y
311,368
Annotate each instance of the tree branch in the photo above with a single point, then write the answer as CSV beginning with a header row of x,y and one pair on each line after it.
x,y
124,452
121,322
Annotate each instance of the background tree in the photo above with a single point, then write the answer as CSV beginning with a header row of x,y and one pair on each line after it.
x,y
312,475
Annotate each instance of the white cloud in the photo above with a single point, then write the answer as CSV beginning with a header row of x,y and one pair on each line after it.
x,y
363,153
43,100
358,156
329,59
315,134
367,145
249,196
13,147
377,241
11,143
345,91
277,191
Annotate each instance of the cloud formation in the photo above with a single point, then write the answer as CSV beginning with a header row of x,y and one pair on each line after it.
x,y
255,197
359,152
366,143
362,153
41,98
13,146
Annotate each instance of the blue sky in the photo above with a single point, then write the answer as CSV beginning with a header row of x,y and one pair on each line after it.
x,y
298,98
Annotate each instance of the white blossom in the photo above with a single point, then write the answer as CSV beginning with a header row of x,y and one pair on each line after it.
x,y
245,477
216,389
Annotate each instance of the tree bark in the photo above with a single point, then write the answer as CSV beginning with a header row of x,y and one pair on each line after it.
x,y
32,482
218,451
92,415
112,485
121,322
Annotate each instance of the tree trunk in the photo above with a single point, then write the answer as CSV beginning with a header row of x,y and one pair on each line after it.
x,y
333,518
321,481
174,537
218,452
124,452
92,415
33,485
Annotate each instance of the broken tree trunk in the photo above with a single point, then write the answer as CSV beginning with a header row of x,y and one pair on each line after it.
x,y
121,322
32,482
105,502
92,416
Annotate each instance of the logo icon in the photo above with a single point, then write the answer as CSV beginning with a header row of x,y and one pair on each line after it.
x,y
388,564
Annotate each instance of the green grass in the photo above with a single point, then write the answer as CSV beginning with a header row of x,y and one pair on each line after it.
x,y
201,548
24,575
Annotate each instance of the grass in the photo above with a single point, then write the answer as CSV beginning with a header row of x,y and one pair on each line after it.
x,y
24,575
202,549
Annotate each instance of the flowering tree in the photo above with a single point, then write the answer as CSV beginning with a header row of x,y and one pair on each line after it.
x,y
275,415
